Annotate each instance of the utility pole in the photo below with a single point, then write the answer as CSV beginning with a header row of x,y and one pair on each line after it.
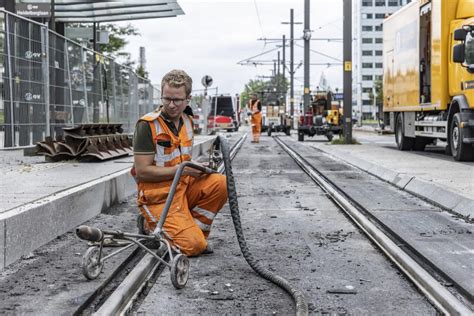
x,y
347,27
292,68
283,65
292,65
278,80
307,38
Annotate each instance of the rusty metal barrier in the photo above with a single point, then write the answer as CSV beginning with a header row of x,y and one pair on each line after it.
x,y
87,142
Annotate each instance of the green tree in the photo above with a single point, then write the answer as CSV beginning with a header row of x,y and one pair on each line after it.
x,y
142,72
117,37
268,91
378,97
252,87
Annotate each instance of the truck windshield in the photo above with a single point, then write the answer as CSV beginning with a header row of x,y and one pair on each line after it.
x,y
470,49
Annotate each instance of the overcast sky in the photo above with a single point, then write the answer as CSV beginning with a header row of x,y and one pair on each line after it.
x,y
214,35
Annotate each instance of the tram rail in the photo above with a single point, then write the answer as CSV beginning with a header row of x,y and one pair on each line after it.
x,y
119,292
445,301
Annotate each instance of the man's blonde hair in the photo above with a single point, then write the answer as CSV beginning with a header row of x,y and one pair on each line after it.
x,y
177,78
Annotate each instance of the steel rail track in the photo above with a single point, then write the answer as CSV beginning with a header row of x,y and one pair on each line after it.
x,y
436,293
124,295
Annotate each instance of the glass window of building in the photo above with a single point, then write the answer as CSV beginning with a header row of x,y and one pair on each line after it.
x,y
380,3
379,15
367,53
367,28
367,65
379,27
378,65
378,53
367,77
378,41
367,3
367,41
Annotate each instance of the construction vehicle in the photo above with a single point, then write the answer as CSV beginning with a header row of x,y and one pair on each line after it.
x,y
224,114
274,119
428,81
322,118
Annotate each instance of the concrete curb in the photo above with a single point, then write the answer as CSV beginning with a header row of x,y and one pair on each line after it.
x,y
27,227
433,193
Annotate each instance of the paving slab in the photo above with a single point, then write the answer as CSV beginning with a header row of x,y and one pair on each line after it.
x,y
429,174
431,234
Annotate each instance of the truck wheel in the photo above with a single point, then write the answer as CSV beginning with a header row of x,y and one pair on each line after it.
x,y
300,136
403,142
459,150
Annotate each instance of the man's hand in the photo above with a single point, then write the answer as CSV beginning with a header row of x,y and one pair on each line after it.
x,y
188,171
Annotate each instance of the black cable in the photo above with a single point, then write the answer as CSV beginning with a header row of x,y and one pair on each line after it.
x,y
297,295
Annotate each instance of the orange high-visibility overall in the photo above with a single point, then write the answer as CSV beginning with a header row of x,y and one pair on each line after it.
x,y
256,121
196,201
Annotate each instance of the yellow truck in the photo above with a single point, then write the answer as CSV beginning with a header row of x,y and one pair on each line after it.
x,y
428,80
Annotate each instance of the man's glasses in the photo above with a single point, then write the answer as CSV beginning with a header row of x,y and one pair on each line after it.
x,y
177,102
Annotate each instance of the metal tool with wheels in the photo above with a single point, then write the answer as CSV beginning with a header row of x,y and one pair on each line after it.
x,y
94,259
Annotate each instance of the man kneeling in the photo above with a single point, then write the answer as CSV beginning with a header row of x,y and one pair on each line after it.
x,y
163,139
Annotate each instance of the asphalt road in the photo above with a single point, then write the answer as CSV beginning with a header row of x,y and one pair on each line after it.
x,y
298,233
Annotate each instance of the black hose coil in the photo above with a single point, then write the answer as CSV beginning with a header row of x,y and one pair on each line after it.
x,y
297,295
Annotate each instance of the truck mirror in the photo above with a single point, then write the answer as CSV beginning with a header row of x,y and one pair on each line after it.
x,y
460,34
458,53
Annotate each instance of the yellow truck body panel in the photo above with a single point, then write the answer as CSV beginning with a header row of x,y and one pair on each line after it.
x,y
402,56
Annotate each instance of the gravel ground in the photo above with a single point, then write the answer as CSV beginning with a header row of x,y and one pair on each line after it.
x,y
297,233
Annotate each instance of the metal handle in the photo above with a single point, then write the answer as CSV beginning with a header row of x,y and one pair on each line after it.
x,y
170,197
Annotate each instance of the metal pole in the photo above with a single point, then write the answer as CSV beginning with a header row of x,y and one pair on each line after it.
x,y
278,79
12,115
307,37
52,21
47,101
215,110
284,66
292,70
66,52
84,86
347,71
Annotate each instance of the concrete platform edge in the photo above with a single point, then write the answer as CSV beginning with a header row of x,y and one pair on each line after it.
x,y
433,193
27,227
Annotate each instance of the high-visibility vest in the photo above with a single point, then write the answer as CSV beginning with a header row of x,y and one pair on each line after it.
x,y
170,149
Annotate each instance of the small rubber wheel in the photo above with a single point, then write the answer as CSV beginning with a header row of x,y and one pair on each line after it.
x,y
179,271
91,266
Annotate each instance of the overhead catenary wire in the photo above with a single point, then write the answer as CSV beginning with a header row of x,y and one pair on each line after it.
x,y
322,54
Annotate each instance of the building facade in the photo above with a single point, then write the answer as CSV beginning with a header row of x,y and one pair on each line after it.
x,y
368,16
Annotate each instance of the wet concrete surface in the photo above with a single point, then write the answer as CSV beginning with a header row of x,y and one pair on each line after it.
x,y
297,232
49,281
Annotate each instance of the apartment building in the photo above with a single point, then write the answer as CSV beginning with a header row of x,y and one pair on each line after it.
x,y
367,51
